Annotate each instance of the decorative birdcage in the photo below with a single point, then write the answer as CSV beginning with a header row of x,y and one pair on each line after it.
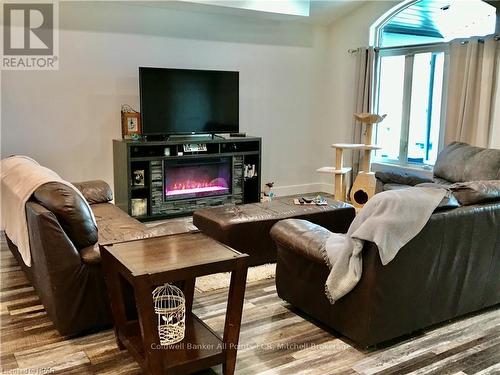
x,y
170,307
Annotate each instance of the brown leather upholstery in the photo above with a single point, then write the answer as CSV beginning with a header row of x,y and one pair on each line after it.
x,y
115,225
74,293
457,162
246,227
460,162
66,275
449,269
70,210
96,191
473,192
402,178
91,254
302,237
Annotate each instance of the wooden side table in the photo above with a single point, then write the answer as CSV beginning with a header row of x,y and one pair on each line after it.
x,y
142,265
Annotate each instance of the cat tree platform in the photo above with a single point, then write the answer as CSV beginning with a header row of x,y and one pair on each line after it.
x,y
333,170
340,171
354,146
364,185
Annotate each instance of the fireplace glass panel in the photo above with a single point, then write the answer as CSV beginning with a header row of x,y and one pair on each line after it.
x,y
197,179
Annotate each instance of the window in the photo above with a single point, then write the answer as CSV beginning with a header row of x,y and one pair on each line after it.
x,y
410,92
411,73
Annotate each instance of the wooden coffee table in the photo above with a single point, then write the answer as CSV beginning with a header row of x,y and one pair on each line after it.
x,y
142,265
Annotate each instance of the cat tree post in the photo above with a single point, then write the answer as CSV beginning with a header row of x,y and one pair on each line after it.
x,y
365,183
367,153
339,177
339,170
364,186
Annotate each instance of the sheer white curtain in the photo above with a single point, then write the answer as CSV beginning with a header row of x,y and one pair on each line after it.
x,y
365,83
471,113
495,121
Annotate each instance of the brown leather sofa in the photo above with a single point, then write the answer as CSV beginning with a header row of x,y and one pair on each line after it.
x,y
66,265
457,162
449,269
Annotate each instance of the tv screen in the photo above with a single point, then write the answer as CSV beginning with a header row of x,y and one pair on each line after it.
x,y
182,101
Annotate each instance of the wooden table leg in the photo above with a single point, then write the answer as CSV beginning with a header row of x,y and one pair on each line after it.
x,y
188,290
147,321
233,315
115,292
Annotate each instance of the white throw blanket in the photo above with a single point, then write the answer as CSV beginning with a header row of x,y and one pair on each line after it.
x,y
390,219
20,177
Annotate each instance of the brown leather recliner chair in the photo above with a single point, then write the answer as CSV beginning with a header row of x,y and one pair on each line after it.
x,y
449,269
66,265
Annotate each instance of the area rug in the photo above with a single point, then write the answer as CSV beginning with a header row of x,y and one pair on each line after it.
x,y
221,280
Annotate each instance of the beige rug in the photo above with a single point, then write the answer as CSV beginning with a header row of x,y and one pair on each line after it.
x,y
221,280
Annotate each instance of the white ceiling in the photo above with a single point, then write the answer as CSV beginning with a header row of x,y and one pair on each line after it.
x,y
322,12
326,12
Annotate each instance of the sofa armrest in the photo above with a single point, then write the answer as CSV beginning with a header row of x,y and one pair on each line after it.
x,y
91,254
401,177
72,291
54,258
50,247
301,236
96,191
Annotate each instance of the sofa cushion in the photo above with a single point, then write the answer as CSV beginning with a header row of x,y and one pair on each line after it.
x,y
96,191
115,225
460,162
70,210
449,201
441,181
401,177
474,192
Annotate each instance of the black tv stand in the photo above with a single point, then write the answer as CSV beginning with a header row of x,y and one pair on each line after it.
x,y
153,157
196,138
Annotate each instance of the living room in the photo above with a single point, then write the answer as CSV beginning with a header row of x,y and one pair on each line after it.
x,y
333,111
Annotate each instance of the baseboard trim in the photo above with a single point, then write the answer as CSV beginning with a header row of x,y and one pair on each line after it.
x,y
314,187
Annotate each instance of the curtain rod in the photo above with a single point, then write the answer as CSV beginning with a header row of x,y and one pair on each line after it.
x,y
463,41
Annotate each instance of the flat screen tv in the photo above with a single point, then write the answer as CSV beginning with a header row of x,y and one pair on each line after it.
x,y
183,101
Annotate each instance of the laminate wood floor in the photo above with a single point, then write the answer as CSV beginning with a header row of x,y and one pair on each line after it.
x,y
274,339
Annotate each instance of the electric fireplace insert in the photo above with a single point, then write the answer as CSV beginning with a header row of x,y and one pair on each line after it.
x,y
197,178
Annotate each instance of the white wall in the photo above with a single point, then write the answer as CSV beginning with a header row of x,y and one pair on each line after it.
x,y
66,119
350,32
296,84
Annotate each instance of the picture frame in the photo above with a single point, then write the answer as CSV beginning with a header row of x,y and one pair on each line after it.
x,y
138,177
138,207
131,124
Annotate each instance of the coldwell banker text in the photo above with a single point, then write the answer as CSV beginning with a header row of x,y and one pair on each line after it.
x,y
30,37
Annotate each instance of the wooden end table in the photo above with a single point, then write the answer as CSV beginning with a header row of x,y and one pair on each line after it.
x,y
142,265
